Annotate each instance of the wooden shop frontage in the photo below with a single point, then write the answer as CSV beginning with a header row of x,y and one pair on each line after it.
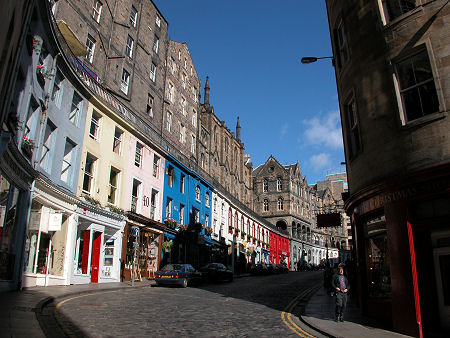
x,y
148,247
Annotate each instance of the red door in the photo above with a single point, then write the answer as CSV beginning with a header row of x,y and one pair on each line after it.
x,y
96,256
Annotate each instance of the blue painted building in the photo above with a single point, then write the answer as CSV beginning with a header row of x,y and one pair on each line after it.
x,y
187,215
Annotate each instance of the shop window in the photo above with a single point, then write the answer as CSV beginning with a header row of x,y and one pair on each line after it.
x,y
377,258
416,85
108,260
82,252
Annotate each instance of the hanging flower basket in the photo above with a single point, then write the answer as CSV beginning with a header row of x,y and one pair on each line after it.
x,y
208,231
170,223
167,246
182,228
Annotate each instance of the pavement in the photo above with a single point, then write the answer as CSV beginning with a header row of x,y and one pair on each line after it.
x,y
30,312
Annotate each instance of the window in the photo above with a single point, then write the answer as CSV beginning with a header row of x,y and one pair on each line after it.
x,y
179,55
193,144
170,175
158,20
88,179
266,205
352,128
153,72
138,154
155,44
197,193
202,160
279,184
185,63
133,17
67,163
265,185
168,207
168,121
170,92
182,182
207,199
90,48
416,85
396,8
75,109
196,214
95,126
113,179
58,89
182,132
136,196
183,80
48,146
117,140
194,94
181,214
153,203
341,45
155,166
194,118
129,47
191,71
215,204
125,81
280,203
183,106
97,10
150,105
172,65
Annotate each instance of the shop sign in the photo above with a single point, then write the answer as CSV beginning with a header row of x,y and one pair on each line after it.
x,y
35,220
135,230
55,221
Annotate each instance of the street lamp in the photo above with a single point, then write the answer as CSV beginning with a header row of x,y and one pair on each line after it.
x,y
311,59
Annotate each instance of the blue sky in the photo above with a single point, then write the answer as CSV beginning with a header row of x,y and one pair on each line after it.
x,y
251,51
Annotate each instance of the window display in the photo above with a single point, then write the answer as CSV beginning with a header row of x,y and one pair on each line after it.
x,y
377,258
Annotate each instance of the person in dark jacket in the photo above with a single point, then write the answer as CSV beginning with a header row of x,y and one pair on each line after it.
x,y
341,286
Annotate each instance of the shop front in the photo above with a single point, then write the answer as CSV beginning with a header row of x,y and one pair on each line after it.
x,y
97,245
47,245
394,221
145,244
16,177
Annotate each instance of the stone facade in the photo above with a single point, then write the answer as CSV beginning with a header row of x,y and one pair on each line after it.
x,y
181,100
221,154
123,38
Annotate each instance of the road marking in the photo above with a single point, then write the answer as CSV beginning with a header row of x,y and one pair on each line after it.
x,y
84,295
286,316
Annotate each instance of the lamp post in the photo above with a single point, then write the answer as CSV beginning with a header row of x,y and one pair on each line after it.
x,y
311,59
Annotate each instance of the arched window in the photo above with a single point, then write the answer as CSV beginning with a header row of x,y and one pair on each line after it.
x,y
266,205
280,203
279,184
265,185
207,199
242,223
253,230
236,224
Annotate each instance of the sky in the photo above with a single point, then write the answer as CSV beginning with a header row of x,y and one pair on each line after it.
x,y
251,51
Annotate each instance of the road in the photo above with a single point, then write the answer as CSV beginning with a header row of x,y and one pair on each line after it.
x,y
253,306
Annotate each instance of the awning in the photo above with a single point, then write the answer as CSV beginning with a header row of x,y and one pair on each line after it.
x,y
77,48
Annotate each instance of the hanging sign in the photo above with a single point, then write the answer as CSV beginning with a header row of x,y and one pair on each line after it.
x,y
135,230
55,221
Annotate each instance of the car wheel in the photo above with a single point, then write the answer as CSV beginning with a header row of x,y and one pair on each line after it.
x,y
184,283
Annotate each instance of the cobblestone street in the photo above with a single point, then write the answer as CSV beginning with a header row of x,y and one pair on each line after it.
x,y
250,307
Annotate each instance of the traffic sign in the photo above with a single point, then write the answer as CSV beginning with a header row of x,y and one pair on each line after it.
x,y
135,230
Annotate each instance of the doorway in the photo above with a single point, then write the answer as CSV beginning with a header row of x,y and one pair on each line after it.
x,y
442,272
95,258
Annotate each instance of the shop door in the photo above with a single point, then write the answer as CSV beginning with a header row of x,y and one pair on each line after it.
x,y
96,256
442,272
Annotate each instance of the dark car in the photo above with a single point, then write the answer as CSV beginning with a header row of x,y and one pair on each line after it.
x,y
259,269
216,272
272,268
177,274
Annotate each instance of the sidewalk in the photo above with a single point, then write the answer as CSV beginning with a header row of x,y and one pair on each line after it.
x,y
319,314
19,309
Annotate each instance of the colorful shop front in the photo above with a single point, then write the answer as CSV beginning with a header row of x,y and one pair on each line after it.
x,y
97,242
146,243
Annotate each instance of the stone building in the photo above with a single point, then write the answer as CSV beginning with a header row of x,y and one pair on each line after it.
x,y
392,71
126,44
181,104
283,197
221,154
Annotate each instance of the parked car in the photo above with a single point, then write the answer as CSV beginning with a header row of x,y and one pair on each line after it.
x,y
282,268
259,269
177,274
216,272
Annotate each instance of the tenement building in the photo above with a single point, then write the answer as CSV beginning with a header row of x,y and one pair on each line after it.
x,y
221,154
392,71
282,196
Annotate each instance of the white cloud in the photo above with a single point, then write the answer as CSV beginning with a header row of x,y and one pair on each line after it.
x,y
324,131
320,161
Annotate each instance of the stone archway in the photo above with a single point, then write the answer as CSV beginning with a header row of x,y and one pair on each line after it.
x,y
281,224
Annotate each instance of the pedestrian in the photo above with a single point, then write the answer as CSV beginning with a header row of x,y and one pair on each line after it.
x,y
341,286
